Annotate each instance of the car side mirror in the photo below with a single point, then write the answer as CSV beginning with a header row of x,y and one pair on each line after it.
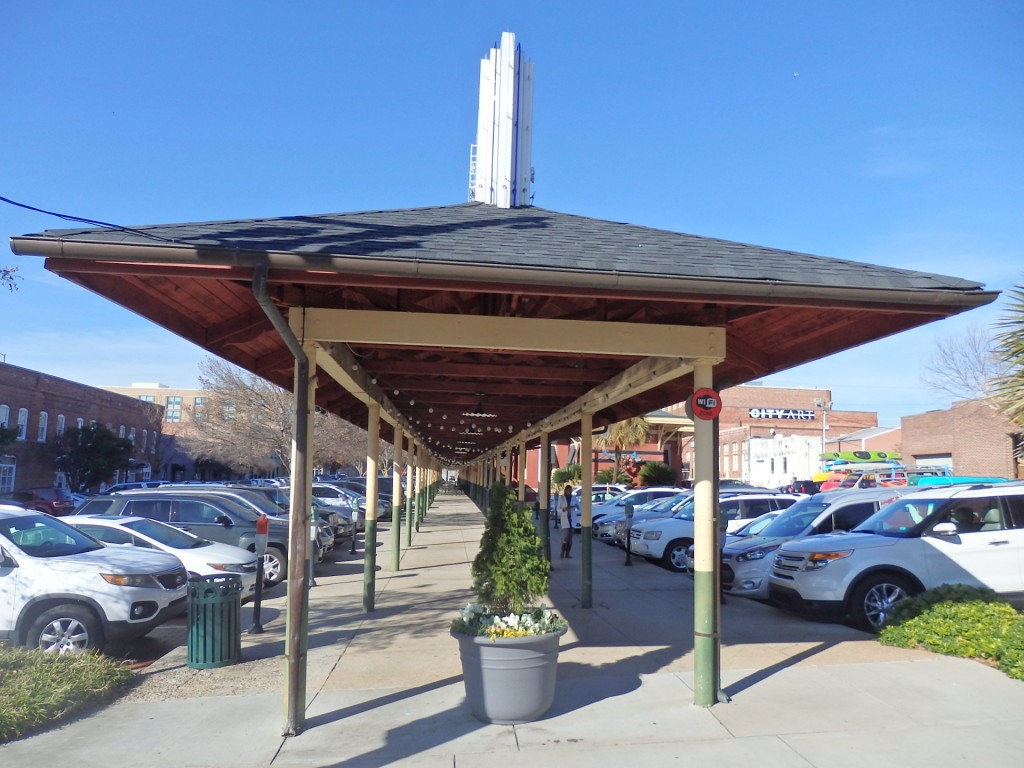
x,y
6,561
945,529
223,520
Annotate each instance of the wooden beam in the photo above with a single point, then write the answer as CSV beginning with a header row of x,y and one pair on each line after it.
x,y
511,333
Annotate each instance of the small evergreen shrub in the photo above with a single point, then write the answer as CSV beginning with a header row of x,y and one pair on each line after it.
x,y
568,475
510,575
953,619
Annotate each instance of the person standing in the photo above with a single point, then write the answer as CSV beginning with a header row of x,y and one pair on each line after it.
x,y
565,519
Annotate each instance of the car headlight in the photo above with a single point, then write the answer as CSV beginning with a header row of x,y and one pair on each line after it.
x,y
652,535
818,560
755,554
231,567
131,580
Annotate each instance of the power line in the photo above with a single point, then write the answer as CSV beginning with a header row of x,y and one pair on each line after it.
x,y
79,219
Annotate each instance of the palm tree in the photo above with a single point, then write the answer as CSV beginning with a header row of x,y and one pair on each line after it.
x,y
1009,388
621,436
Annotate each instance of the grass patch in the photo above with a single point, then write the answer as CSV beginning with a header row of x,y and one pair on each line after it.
x,y
39,689
957,620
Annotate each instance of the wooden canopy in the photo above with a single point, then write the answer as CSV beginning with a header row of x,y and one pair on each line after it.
x,y
477,327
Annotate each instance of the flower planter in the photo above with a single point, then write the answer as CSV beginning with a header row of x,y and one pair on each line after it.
x,y
509,680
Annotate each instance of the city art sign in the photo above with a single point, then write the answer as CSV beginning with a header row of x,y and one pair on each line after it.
x,y
799,414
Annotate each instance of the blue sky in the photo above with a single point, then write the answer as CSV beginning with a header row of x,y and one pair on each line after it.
x,y
884,132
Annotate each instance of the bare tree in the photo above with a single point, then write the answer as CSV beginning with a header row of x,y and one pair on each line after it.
x,y
964,366
247,422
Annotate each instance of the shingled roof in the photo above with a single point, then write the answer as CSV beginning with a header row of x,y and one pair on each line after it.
x,y
779,308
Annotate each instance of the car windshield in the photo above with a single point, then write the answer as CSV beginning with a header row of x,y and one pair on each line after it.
x,y
167,535
756,526
796,519
902,517
685,511
42,536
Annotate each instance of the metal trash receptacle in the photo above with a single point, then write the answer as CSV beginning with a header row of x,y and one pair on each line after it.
x,y
214,621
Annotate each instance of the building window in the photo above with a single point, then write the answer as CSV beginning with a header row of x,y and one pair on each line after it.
x,y
5,414
120,432
44,424
197,409
152,441
80,423
131,436
735,457
173,408
147,398
22,423
145,437
8,465
60,424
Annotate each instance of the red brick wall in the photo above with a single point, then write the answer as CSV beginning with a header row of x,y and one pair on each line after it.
x,y
38,392
975,435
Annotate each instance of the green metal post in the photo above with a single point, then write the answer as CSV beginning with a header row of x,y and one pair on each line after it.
x,y
369,565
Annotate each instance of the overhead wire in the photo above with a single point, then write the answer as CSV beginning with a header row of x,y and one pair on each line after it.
x,y
81,220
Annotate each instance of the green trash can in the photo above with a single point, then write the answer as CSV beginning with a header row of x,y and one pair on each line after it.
x,y
214,621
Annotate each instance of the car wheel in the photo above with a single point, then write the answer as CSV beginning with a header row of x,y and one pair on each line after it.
x,y
66,629
675,555
873,600
275,566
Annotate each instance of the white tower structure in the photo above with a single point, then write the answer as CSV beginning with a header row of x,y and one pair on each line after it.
x,y
500,169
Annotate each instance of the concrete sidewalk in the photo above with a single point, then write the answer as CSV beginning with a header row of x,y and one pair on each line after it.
x,y
385,688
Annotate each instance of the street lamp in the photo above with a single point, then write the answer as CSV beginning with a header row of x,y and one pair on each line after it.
x,y
824,405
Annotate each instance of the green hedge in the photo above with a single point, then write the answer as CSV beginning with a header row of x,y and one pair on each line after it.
x,y
958,620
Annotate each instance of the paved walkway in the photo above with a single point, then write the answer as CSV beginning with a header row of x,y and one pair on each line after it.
x,y
385,688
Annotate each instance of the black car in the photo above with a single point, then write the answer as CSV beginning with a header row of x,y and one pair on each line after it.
x,y
207,516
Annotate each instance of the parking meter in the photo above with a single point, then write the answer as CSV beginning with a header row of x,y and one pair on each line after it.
x,y
629,530
262,529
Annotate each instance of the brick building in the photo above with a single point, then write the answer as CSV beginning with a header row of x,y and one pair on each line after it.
x,y
971,437
42,407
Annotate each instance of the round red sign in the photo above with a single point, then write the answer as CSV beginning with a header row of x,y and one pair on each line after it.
x,y
706,404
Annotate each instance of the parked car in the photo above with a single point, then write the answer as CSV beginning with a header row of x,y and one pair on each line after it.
x,y
207,516
753,528
199,556
746,563
358,485
64,591
611,527
134,486
52,501
636,497
262,504
666,541
652,510
938,535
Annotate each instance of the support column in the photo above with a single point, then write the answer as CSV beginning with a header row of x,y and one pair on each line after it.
x,y
370,534
521,469
586,511
544,489
396,500
410,490
706,563
297,611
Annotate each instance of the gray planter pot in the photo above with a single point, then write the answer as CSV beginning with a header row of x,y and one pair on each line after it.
x,y
509,680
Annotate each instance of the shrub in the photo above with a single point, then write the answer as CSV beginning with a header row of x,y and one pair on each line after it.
x,y
510,575
1011,654
953,619
657,473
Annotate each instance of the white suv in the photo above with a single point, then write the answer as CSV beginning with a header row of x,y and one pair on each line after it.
x,y
968,534
62,590
668,539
